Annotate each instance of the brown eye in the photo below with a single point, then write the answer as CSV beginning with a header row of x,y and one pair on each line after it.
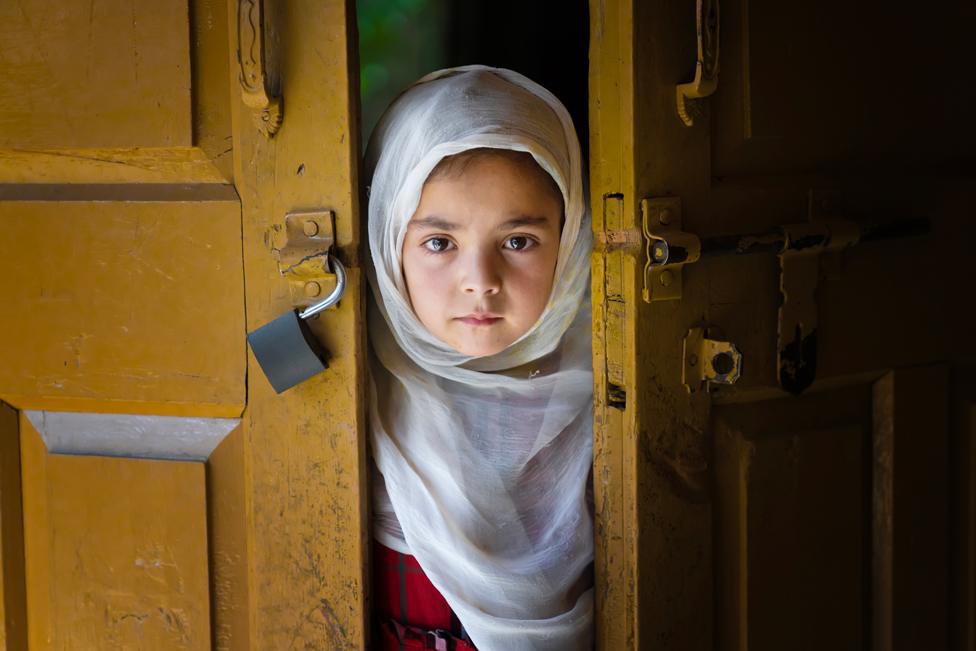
x,y
437,244
518,243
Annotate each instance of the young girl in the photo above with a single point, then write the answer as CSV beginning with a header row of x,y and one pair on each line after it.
x,y
481,406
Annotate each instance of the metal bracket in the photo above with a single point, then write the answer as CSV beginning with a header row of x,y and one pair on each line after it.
x,y
709,361
799,262
301,246
706,66
669,248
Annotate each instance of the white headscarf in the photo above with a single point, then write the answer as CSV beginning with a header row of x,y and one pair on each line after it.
x,y
484,460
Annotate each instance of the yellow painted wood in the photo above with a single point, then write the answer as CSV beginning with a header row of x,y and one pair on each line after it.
x,y
227,529
116,551
13,604
304,450
130,165
136,302
212,83
122,282
614,443
105,73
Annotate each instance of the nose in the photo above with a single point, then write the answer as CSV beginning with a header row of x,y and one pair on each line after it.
x,y
480,274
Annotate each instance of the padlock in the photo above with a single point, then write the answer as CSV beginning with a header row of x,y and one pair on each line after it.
x,y
286,349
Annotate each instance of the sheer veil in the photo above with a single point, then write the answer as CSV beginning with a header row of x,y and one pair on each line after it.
x,y
482,463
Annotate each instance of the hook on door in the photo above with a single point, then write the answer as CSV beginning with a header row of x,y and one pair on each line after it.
x,y
706,67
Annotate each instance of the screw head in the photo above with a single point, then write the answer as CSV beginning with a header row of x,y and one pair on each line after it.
x,y
312,288
310,228
692,359
665,216
666,277
659,252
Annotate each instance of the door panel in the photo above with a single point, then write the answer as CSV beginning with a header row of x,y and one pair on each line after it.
x,y
911,508
107,569
138,197
820,503
810,85
102,74
99,275
227,531
742,516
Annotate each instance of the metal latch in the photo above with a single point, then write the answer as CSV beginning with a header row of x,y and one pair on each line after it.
x,y
709,361
668,248
286,349
301,247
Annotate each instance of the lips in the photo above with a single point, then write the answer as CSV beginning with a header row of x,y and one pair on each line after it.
x,y
479,319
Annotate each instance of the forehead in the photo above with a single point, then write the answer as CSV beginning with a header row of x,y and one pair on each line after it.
x,y
514,161
496,187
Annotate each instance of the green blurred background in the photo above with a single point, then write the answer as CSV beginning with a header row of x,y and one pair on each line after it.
x,y
402,40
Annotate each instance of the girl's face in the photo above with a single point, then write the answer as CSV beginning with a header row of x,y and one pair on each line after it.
x,y
480,253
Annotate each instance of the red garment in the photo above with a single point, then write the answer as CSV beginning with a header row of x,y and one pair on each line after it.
x,y
408,611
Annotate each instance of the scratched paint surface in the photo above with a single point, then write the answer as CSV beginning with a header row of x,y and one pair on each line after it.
x,y
116,551
126,301
118,165
304,450
82,74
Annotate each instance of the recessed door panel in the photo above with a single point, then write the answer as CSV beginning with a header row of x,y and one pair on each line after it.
x,y
793,503
851,85
130,295
105,73
116,551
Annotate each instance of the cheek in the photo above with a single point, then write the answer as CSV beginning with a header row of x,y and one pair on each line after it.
x,y
426,282
532,282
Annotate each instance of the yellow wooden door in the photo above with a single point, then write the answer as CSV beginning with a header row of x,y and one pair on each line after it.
x,y
825,500
156,493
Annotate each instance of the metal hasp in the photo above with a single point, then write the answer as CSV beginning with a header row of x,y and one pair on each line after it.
x,y
286,349
799,263
256,86
798,247
709,361
668,248
706,67
301,246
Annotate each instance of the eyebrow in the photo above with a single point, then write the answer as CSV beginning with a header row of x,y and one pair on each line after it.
x,y
441,224
434,222
524,220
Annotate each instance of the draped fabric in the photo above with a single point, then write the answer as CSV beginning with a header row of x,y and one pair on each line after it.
x,y
481,463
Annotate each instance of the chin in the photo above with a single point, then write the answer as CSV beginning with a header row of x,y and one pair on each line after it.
x,y
480,350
